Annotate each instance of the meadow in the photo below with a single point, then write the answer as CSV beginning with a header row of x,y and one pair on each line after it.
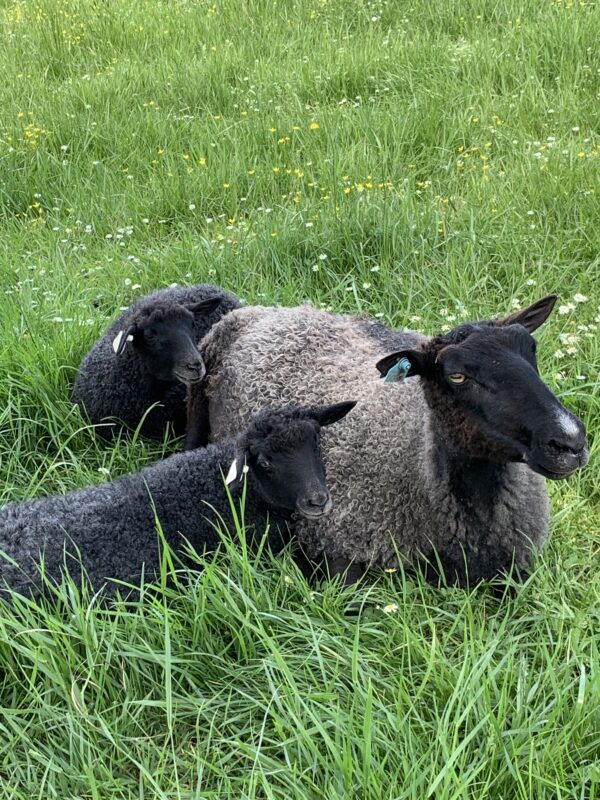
x,y
422,162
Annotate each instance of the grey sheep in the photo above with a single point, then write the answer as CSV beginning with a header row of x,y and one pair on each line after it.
x,y
147,356
443,471
110,529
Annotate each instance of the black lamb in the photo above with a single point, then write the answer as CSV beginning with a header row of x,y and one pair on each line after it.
x,y
136,374
110,529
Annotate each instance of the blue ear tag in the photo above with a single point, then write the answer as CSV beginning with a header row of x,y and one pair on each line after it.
x,y
398,372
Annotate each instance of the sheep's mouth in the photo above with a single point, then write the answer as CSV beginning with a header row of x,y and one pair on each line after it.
x,y
552,474
558,466
189,378
315,512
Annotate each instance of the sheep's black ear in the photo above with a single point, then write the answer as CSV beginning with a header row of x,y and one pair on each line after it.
x,y
533,316
402,364
327,415
204,306
122,338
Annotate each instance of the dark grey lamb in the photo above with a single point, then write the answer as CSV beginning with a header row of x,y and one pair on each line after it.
x,y
442,470
111,530
147,357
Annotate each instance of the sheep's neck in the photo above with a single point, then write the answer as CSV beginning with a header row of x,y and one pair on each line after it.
x,y
158,387
472,465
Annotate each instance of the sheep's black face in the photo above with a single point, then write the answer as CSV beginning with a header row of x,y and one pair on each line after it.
x,y
484,380
281,449
167,343
291,474
164,336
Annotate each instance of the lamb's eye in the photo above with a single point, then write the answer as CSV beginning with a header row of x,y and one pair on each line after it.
x,y
457,377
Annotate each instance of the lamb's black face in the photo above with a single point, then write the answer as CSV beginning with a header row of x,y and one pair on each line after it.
x,y
281,449
489,371
293,477
167,343
165,339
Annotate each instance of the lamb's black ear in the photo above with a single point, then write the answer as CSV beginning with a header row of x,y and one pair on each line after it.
x,y
533,316
204,306
122,338
327,415
413,363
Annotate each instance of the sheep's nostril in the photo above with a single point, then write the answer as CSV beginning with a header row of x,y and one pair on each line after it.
x,y
565,448
195,367
318,499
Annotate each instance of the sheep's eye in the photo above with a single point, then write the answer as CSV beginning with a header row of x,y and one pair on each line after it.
x,y
457,377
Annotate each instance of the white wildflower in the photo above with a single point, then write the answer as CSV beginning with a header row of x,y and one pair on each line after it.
x,y
566,309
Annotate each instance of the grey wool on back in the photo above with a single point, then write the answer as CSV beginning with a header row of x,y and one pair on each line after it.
x,y
394,493
112,387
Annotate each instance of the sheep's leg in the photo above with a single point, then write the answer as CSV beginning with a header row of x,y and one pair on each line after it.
x,y
351,571
198,423
327,567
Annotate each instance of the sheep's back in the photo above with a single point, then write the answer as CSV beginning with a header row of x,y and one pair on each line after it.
x,y
266,356
260,355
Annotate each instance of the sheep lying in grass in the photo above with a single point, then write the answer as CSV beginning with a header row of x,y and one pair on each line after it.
x,y
446,465
146,357
111,528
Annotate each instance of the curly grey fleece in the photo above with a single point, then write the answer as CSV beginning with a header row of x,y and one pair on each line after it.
x,y
390,481
121,387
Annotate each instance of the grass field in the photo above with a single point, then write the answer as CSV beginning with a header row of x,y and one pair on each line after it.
x,y
425,162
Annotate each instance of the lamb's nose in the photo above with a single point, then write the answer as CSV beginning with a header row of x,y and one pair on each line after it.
x,y
318,499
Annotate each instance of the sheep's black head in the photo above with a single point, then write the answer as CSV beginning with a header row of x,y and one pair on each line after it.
x,y
163,335
483,379
280,449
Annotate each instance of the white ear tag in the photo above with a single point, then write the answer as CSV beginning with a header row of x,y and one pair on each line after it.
x,y
117,340
232,474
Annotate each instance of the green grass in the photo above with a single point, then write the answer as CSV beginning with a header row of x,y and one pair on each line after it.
x,y
420,161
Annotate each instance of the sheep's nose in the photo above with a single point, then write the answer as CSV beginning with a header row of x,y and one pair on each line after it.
x,y
568,434
190,371
315,504
317,500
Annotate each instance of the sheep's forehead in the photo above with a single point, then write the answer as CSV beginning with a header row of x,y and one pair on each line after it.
x,y
171,313
491,339
281,434
495,351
